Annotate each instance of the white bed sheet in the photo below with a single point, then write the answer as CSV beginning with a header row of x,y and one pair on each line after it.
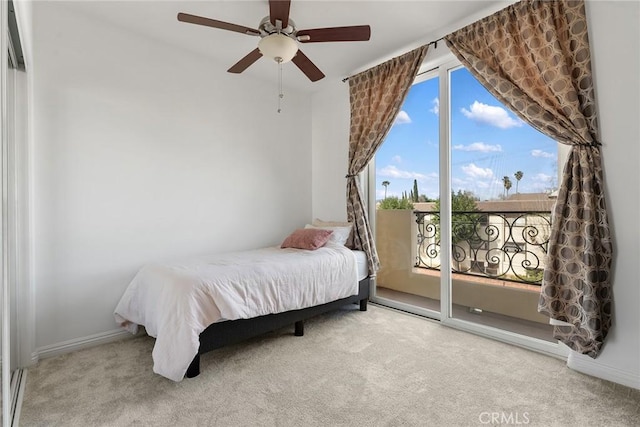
x,y
361,261
176,302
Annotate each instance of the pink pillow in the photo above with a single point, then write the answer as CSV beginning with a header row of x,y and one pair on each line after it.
x,y
307,238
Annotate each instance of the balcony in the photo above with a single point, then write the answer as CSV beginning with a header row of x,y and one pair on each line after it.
x,y
497,260
498,245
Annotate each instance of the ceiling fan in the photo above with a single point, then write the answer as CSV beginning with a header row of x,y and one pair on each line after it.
x,y
280,37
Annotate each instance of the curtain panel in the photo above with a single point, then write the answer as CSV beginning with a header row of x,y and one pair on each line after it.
x,y
534,56
376,96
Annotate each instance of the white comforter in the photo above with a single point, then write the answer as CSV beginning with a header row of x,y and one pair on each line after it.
x,y
176,302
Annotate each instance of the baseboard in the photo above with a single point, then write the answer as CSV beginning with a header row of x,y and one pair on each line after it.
x,y
586,365
80,343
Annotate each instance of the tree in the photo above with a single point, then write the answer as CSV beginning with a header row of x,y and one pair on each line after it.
x,y
393,202
385,184
506,181
518,176
462,201
415,190
463,220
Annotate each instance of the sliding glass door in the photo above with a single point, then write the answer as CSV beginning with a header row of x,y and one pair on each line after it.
x,y
504,182
407,186
464,191
13,213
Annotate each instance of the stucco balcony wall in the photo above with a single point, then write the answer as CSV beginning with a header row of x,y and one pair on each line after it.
x,y
395,232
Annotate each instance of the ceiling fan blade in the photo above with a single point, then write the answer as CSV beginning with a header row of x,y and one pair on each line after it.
x,y
279,9
354,33
245,62
307,67
207,22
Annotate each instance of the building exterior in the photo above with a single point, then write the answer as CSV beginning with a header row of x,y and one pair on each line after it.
x,y
504,239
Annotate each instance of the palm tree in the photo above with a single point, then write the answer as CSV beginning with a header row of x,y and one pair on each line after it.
x,y
507,185
518,176
385,184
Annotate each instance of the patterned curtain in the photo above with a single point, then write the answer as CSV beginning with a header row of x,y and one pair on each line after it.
x,y
376,96
534,56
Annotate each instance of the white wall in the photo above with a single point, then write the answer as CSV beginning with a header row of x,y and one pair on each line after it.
x,y
615,49
142,153
615,46
330,133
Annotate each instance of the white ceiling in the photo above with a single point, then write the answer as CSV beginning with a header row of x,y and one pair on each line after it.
x,y
396,26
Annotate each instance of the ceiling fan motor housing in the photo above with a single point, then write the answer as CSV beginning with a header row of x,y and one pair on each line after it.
x,y
266,27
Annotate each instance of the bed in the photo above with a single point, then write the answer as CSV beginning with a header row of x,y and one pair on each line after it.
x,y
195,306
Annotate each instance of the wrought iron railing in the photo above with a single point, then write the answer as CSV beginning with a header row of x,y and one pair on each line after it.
x,y
500,245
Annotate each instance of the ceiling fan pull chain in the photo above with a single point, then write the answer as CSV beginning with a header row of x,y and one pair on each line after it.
x,y
280,94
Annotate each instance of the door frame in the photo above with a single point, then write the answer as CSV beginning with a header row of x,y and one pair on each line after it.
x,y
442,68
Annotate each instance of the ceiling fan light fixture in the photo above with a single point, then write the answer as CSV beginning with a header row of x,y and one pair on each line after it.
x,y
278,47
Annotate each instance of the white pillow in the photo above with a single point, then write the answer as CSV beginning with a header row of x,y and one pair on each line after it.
x,y
320,223
339,235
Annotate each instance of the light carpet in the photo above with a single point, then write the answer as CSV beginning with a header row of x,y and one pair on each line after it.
x,y
351,368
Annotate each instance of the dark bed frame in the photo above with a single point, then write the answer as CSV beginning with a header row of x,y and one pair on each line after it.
x,y
232,331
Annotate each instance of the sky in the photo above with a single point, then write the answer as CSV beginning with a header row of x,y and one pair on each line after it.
x,y
488,142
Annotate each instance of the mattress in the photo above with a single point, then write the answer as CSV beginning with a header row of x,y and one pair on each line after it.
x,y
361,262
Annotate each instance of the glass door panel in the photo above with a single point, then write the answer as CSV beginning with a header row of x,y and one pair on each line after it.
x,y
406,225
504,183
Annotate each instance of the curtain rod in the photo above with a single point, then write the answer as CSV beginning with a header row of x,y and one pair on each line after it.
x,y
435,45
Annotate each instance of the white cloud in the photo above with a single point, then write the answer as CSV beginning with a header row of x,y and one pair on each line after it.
x,y
402,118
477,172
485,188
479,146
396,159
488,114
380,194
542,175
457,182
392,171
541,182
544,154
436,106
